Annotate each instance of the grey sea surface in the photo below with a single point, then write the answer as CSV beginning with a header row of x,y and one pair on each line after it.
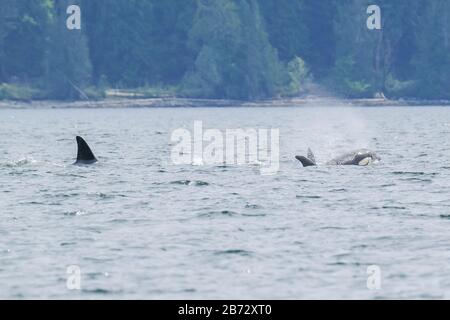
x,y
140,227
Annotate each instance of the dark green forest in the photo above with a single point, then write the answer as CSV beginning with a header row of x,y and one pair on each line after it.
x,y
233,49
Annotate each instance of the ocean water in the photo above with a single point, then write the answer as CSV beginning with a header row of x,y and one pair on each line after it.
x,y
137,226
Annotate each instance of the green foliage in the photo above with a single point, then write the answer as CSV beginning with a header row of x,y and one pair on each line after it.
x,y
69,69
432,57
298,77
137,42
287,31
398,89
94,93
356,89
24,28
237,49
18,92
348,80
157,91
235,59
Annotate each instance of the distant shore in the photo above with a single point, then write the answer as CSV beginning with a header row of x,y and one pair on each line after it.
x,y
170,102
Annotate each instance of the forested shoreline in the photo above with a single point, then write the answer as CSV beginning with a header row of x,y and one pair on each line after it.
x,y
224,49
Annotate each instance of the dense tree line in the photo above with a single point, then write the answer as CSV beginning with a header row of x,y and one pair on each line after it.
x,y
240,49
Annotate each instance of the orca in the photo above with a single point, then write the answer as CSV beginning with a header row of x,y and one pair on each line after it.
x,y
360,157
84,155
308,161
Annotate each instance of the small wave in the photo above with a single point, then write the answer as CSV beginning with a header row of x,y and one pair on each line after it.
x,y
332,228
389,207
249,215
412,173
101,291
239,252
70,175
119,221
308,197
417,180
62,195
386,185
341,263
67,244
75,213
252,206
181,182
104,196
190,183
96,275
219,213
21,162
339,190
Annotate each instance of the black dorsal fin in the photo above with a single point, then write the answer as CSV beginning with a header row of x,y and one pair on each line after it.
x,y
305,161
85,154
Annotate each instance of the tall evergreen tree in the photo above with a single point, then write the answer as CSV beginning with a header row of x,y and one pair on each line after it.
x,y
355,71
139,42
432,59
235,58
285,23
318,16
8,13
69,67
24,28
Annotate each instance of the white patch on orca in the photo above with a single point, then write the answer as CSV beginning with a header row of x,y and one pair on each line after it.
x,y
365,162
